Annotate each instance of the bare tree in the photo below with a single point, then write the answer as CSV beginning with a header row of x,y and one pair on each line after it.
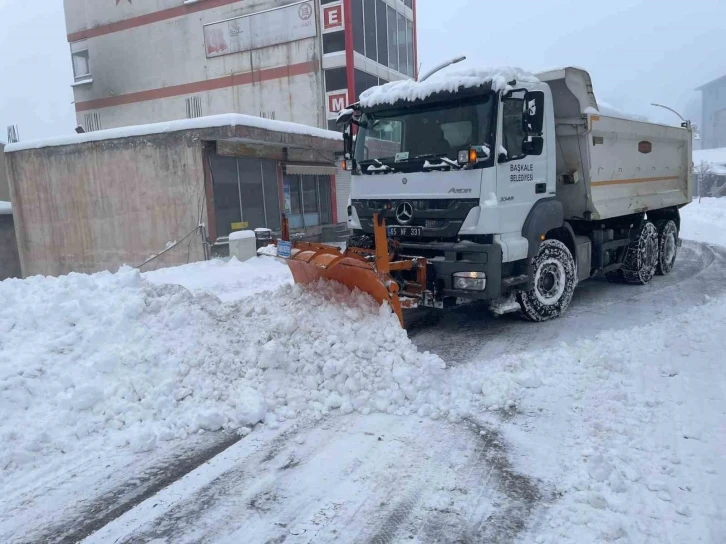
x,y
702,171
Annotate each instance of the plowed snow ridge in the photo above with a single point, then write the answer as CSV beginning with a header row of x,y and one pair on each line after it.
x,y
112,359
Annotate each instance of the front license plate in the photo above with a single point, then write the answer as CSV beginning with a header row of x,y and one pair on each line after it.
x,y
404,231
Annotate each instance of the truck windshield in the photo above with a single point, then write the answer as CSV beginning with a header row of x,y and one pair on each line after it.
x,y
423,132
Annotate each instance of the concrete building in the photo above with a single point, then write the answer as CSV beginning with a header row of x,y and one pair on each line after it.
x,y
4,189
96,201
139,62
9,261
713,125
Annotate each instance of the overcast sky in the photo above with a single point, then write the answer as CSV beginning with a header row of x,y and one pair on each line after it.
x,y
637,51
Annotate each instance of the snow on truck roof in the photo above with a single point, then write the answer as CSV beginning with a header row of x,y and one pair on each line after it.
x,y
409,90
212,121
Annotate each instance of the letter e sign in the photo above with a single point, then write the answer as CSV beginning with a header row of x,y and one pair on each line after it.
x,y
332,16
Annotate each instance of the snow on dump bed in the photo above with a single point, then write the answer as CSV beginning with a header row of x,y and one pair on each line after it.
x,y
603,108
447,80
89,362
211,121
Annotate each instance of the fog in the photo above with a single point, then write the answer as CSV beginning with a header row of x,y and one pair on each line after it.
x,y
637,52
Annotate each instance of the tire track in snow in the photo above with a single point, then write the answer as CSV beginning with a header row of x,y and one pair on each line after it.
x,y
113,504
241,487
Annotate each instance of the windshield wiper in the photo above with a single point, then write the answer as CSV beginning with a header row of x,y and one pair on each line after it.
x,y
443,158
379,166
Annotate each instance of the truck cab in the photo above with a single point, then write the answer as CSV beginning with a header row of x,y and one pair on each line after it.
x,y
476,171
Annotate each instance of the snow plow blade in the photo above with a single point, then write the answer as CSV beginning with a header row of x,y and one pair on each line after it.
x,y
368,270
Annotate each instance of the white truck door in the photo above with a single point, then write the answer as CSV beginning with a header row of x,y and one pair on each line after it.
x,y
521,173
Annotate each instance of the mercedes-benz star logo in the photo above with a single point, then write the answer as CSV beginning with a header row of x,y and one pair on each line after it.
x,y
404,212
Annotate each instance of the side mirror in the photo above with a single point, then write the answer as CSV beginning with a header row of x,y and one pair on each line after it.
x,y
533,119
344,117
533,145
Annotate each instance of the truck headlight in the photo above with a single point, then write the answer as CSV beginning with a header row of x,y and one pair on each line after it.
x,y
470,281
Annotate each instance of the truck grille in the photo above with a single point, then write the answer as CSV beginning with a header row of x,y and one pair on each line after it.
x,y
420,205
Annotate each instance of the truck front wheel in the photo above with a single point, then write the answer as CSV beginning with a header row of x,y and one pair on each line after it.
x,y
642,257
554,283
668,246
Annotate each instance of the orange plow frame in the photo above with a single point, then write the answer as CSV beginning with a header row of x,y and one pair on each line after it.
x,y
358,268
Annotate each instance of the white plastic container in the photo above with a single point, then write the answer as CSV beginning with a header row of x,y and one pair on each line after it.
x,y
243,245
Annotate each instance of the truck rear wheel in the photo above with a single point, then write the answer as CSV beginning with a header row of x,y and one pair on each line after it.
x,y
667,246
642,257
554,283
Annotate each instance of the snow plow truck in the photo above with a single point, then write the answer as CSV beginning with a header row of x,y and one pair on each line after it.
x,y
501,186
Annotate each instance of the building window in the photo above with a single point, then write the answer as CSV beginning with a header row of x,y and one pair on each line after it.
x,y
402,47
409,46
333,41
336,79
81,64
358,32
307,200
246,195
194,107
382,32
408,3
369,7
392,40
364,81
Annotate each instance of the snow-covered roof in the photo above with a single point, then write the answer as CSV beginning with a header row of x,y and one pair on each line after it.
x,y
714,158
212,121
6,208
718,80
447,80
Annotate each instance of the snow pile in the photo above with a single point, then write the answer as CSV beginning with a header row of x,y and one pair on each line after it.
x,y
705,221
6,208
229,280
713,159
604,421
92,361
447,80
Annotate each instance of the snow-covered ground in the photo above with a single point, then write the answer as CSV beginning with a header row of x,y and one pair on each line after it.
x,y
229,280
705,221
605,425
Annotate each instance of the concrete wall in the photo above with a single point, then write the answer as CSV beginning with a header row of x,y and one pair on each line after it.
x,y
98,205
95,206
9,259
167,53
713,128
4,189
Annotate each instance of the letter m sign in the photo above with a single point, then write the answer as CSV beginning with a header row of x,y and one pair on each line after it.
x,y
337,100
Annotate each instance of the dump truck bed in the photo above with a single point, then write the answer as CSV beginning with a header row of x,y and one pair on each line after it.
x,y
609,165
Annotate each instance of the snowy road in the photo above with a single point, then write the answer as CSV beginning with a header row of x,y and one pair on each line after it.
x,y
471,333
350,479
604,425
389,479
